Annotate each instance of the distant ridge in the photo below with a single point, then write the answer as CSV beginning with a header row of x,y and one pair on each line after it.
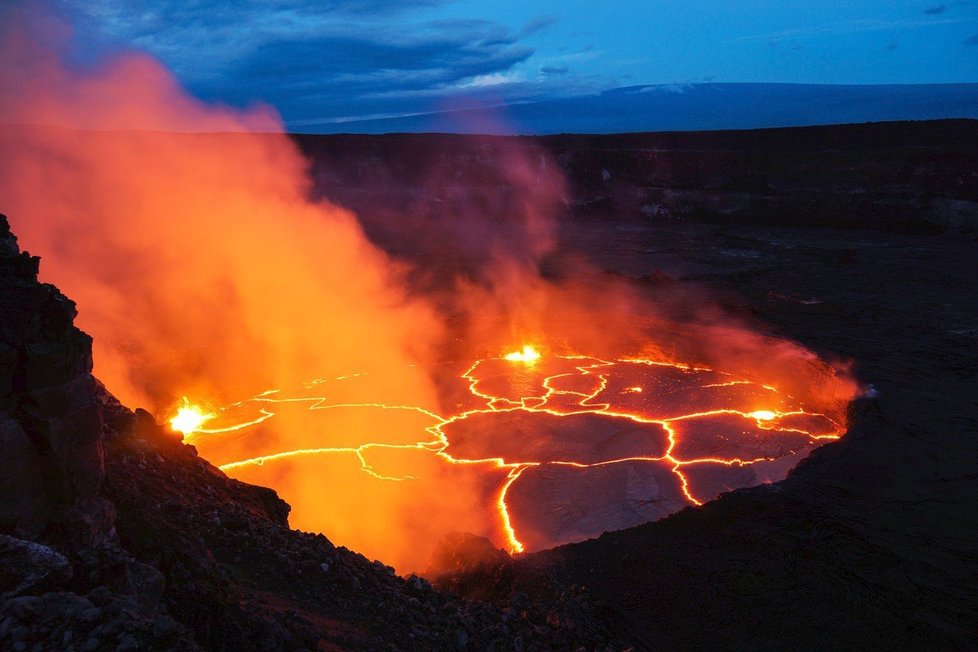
x,y
690,107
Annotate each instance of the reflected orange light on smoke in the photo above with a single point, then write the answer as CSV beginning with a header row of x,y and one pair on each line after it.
x,y
190,239
188,236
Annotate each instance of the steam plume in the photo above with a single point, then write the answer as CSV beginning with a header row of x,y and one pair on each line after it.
x,y
201,266
198,262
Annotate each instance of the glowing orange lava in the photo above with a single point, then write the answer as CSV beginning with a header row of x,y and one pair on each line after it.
x,y
528,355
189,418
561,448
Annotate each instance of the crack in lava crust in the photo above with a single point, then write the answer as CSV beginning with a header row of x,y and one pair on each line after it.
x,y
558,448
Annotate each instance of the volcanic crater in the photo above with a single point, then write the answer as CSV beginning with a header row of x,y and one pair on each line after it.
x,y
122,533
553,448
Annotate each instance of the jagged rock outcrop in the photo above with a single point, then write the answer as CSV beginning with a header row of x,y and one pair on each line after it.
x,y
50,422
65,583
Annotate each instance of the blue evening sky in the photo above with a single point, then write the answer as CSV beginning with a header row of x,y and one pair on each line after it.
x,y
319,62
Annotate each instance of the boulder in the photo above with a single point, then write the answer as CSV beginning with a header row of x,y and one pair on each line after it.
x,y
30,567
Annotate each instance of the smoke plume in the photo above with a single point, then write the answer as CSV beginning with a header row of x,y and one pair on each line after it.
x,y
201,264
186,235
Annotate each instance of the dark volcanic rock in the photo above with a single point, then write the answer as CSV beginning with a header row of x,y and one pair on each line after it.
x,y
29,566
64,583
469,565
908,176
236,574
50,422
870,541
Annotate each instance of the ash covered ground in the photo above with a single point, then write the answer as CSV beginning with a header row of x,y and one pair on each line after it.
x,y
858,242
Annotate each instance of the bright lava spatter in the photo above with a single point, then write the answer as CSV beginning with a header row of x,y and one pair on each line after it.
x,y
189,418
528,354
573,414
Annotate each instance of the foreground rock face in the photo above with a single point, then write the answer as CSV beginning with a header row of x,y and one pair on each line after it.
x,y
50,423
240,579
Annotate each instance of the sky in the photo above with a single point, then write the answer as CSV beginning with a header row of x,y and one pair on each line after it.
x,y
331,61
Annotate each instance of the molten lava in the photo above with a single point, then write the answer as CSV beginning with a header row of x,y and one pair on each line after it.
x,y
555,450
528,355
189,418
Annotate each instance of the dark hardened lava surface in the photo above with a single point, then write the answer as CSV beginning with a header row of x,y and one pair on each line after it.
x,y
870,541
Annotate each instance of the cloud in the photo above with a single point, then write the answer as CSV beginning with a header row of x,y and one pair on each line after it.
x,y
936,9
331,59
843,28
373,73
436,57
492,79
538,24
148,14
554,70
